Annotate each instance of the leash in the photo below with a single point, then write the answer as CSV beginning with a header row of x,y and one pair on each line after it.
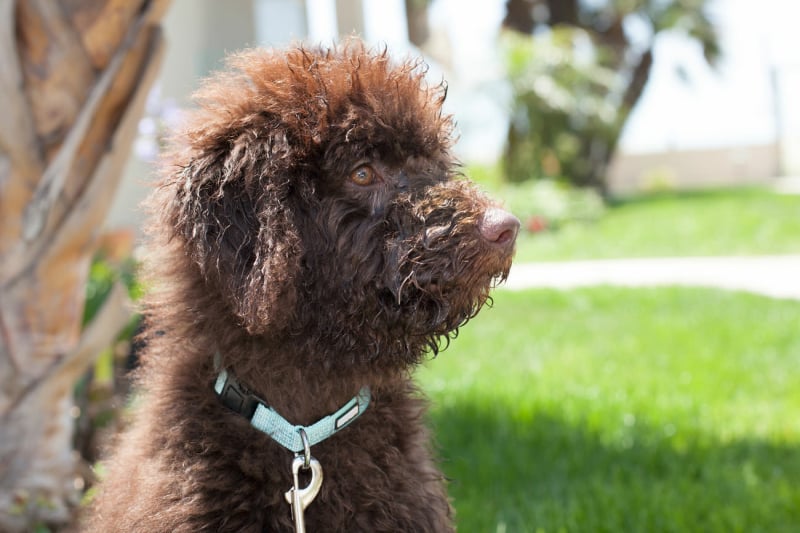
x,y
295,438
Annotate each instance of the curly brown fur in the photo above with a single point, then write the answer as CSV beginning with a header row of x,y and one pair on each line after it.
x,y
310,281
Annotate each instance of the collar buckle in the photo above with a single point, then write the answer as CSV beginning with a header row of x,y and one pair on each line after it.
x,y
236,396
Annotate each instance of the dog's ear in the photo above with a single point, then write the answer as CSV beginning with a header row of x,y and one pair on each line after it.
x,y
234,213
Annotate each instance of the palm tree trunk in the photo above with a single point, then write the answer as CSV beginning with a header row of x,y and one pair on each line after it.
x,y
73,79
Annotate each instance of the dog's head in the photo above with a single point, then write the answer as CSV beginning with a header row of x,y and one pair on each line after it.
x,y
317,193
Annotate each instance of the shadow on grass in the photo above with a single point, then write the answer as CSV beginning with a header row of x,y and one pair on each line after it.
x,y
544,474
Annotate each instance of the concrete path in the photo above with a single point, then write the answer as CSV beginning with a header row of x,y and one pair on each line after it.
x,y
775,276
788,185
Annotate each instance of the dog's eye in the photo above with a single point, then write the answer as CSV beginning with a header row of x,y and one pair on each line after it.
x,y
363,175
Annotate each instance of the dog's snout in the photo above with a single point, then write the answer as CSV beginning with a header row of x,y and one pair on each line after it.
x,y
499,227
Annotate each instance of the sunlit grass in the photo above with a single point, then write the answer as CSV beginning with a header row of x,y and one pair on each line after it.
x,y
722,222
622,410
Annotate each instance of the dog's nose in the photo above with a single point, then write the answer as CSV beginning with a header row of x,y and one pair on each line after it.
x,y
499,227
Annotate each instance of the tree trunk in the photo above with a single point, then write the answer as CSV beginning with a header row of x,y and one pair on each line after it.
x,y
633,92
73,79
417,19
519,16
563,12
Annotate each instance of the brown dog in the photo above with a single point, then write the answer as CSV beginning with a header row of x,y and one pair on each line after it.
x,y
311,242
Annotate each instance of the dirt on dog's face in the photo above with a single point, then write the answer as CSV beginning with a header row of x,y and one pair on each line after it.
x,y
319,198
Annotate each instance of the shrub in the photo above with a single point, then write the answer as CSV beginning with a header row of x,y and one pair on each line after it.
x,y
564,114
549,204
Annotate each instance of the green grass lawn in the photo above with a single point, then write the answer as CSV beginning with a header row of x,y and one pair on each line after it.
x,y
720,222
622,410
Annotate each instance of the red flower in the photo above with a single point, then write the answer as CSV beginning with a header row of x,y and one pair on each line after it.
x,y
536,223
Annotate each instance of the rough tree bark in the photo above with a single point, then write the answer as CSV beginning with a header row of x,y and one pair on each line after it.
x,y
73,79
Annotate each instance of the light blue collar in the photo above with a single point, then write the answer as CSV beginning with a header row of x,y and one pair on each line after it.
x,y
265,419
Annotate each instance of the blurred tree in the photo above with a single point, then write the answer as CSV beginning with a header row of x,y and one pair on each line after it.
x,y
417,17
73,80
618,36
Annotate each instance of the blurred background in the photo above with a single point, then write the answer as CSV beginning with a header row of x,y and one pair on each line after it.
x,y
686,94
640,369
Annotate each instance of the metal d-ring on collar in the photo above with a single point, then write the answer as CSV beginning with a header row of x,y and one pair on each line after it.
x,y
295,438
306,449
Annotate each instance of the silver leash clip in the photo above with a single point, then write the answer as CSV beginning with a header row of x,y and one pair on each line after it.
x,y
300,498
